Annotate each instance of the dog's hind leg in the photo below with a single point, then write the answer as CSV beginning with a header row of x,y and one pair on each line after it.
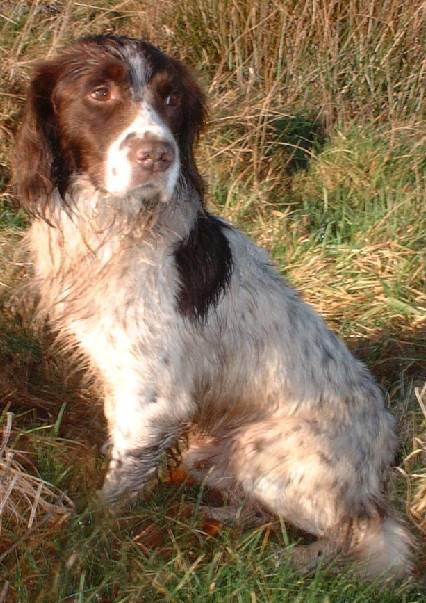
x,y
206,460
327,482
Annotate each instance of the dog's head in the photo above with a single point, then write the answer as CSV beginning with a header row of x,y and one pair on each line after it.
x,y
115,110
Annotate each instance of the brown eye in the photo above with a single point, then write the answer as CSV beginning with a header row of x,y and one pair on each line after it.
x,y
171,100
101,93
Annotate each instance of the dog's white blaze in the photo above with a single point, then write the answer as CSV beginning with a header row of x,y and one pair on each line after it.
x,y
118,167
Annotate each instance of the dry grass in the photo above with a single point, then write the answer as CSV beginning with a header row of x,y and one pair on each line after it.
x,y
273,64
26,500
415,464
315,146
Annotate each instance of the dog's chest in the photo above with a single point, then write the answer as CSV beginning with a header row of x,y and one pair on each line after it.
x,y
104,284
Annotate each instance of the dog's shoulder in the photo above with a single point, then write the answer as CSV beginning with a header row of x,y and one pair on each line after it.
x,y
204,262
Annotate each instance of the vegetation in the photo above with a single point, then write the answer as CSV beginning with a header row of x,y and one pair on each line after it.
x,y
316,146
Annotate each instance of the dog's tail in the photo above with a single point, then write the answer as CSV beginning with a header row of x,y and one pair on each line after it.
x,y
383,547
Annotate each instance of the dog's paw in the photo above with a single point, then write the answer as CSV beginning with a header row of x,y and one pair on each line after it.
x,y
126,477
305,558
106,448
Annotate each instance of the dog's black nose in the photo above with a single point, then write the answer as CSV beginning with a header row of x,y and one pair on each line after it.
x,y
151,154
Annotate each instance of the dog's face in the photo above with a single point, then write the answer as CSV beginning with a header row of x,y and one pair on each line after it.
x,y
113,109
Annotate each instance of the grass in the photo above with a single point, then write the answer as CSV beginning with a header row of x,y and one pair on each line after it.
x,y
315,147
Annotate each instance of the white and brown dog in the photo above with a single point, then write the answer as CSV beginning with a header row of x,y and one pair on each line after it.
x,y
184,318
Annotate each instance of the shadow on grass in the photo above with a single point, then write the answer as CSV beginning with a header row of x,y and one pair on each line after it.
x,y
302,136
392,352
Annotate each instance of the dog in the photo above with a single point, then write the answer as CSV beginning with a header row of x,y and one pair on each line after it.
x,y
184,319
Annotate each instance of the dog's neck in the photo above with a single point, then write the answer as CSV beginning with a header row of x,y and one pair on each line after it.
x,y
101,216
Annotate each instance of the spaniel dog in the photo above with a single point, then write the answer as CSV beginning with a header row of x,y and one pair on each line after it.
x,y
184,319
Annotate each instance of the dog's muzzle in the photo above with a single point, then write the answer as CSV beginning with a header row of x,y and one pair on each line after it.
x,y
144,157
149,157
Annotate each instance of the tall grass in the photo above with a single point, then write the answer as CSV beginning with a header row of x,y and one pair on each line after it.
x,y
316,146
324,55
331,62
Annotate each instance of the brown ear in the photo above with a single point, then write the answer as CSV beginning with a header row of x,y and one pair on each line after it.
x,y
194,116
39,166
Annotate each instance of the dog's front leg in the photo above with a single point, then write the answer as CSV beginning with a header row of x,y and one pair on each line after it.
x,y
141,430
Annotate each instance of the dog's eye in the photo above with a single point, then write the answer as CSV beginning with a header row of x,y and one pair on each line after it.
x,y
171,99
101,93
